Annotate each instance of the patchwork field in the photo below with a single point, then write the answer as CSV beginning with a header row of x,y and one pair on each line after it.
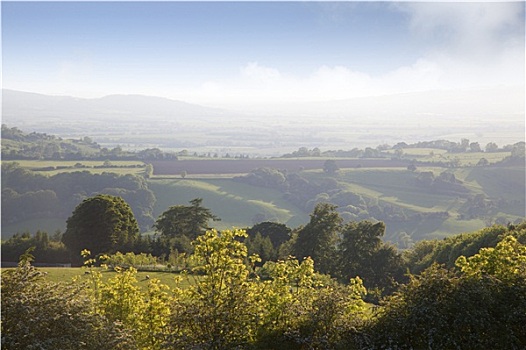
x,y
243,166
238,205
389,182
53,167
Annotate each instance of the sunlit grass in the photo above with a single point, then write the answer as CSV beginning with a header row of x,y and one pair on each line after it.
x,y
67,274
237,204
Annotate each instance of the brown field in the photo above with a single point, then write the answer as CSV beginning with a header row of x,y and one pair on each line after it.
x,y
243,166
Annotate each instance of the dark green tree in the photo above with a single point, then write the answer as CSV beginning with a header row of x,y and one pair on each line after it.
x,y
278,233
101,224
185,220
262,246
363,253
319,238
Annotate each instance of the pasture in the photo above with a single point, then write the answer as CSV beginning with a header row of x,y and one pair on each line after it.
x,y
397,187
237,204
67,274
244,166
53,167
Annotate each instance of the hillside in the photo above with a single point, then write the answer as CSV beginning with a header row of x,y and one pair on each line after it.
x,y
425,190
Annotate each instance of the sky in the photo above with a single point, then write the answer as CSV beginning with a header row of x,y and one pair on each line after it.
x,y
238,53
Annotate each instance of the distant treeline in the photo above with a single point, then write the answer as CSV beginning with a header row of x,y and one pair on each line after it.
x,y
28,195
17,144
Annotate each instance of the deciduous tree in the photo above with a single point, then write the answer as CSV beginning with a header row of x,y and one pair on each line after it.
x,y
319,238
185,220
101,224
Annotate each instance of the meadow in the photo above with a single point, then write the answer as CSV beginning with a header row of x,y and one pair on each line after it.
x,y
386,181
237,204
53,167
68,274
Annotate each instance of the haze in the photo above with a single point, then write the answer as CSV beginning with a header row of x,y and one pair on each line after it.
x,y
378,61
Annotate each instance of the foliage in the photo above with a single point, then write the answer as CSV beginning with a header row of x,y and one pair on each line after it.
x,y
102,224
319,238
231,308
308,310
130,259
37,314
364,254
483,307
276,232
448,250
48,249
20,145
189,221
330,166
218,312
266,238
27,195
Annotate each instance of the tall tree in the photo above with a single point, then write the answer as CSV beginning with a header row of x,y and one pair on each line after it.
x,y
319,238
277,232
363,253
185,220
101,224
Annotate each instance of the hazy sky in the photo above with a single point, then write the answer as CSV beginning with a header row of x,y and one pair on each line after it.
x,y
224,53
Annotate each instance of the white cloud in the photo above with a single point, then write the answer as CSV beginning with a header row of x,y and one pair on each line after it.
x,y
253,71
467,45
472,30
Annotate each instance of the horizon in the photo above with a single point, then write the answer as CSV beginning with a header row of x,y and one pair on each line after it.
x,y
245,54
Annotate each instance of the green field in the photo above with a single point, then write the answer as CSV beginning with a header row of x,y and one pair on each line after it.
x,y
66,274
235,203
44,167
397,188
440,155
242,205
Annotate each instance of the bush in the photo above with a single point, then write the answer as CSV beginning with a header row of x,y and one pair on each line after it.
x,y
37,314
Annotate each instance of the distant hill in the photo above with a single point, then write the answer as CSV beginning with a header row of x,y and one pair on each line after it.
x,y
20,107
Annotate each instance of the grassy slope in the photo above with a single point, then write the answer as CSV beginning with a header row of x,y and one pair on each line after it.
x,y
395,186
235,203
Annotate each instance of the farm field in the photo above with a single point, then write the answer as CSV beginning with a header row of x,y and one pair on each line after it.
x,y
237,204
66,274
397,188
243,166
383,180
434,155
53,167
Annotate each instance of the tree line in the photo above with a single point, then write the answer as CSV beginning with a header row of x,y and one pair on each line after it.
x,y
477,303
28,195
105,224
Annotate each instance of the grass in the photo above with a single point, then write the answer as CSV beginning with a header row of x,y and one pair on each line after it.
x,y
235,203
397,187
67,166
67,274
465,158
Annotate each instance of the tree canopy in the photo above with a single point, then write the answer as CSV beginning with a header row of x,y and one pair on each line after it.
x,y
101,224
319,238
185,220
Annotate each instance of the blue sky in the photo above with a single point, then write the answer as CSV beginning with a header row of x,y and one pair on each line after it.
x,y
222,53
